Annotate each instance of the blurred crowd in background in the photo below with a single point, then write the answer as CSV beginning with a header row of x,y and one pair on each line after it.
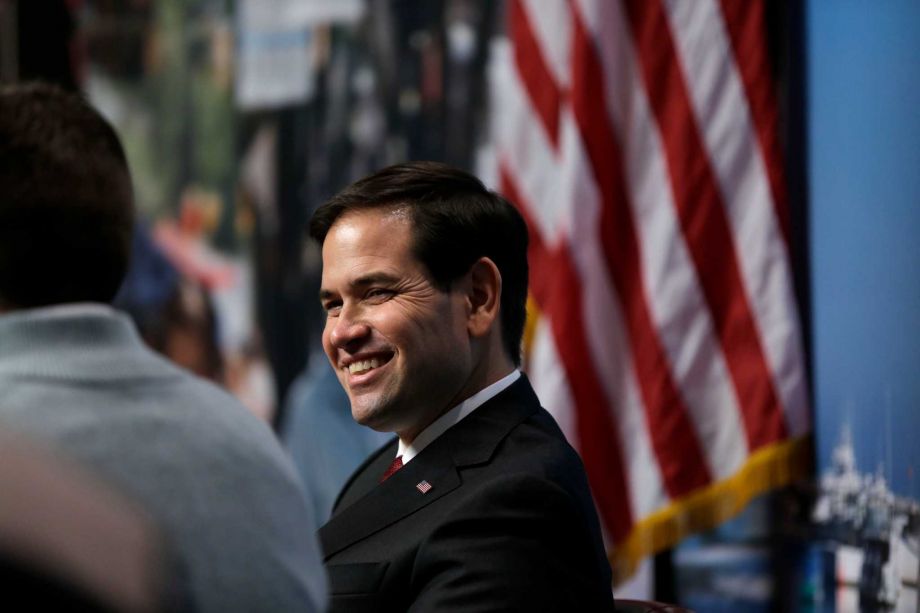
x,y
239,118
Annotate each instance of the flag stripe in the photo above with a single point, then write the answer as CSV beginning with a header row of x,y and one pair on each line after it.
x,y
705,226
746,27
557,290
721,110
542,365
605,325
522,139
681,460
538,80
600,315
549,21
677,304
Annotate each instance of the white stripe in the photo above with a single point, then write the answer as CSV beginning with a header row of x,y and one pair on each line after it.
x,y
677,305
604,327
723,114
546,374
573,183
551,23
519,137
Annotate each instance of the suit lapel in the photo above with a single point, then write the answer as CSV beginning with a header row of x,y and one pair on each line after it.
x,y
365,477
392,500
472,441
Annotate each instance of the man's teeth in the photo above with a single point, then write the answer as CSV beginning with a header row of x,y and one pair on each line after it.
x,y
363,365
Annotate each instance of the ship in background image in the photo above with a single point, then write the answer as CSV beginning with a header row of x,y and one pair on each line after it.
x,y
873,534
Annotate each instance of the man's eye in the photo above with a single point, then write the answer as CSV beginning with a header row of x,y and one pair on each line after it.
x,y
378,294
332,308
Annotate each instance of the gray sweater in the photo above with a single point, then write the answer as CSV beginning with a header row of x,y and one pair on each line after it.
x,y
210,473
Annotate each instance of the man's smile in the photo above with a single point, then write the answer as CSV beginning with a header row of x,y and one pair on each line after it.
x,y
364,365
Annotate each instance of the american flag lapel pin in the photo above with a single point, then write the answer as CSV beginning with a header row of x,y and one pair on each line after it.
x,y
423,487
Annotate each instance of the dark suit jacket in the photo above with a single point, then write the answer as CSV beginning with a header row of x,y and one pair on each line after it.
x,y
508,524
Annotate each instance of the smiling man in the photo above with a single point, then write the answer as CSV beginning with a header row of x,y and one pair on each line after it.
x,y
479,504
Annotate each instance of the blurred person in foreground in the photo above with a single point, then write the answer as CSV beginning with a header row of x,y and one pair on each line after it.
x,y
74,372
69,543
480,504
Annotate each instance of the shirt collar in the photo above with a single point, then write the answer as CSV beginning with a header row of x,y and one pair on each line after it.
x,y
453,416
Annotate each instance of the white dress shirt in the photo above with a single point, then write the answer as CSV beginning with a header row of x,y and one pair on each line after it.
x,y
453,417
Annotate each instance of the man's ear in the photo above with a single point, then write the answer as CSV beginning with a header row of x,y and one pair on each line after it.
x,y
484,296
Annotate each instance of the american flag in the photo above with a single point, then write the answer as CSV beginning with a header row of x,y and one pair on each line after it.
x,y
639,139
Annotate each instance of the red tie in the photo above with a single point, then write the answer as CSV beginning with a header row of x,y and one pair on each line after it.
x,y
395,465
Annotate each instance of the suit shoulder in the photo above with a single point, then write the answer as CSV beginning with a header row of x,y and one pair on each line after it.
x,y
532,533
536,462
538,443
518,489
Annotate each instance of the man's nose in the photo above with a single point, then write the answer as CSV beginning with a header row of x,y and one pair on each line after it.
x,y
348,329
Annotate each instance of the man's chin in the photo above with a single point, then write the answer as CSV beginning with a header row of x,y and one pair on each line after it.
x,y
368,416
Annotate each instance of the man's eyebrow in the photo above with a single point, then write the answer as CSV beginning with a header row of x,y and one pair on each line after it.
x,y
374,277
363,281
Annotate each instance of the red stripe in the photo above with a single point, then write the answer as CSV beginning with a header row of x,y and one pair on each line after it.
x,y
704,222
556,288
672,432
747,31
541,87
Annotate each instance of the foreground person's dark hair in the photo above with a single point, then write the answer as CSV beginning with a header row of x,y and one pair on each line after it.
x,y
66,203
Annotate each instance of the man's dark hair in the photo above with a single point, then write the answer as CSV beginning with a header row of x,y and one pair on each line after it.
x,y
66,203
455,221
